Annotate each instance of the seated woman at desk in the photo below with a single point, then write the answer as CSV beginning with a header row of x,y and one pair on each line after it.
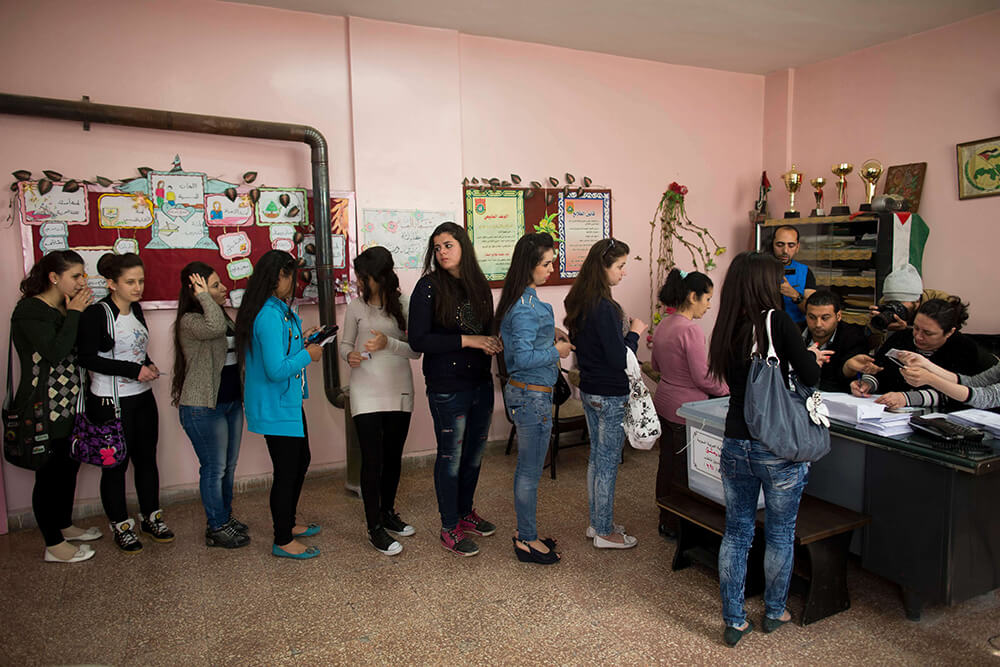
x,y
936,336
978,391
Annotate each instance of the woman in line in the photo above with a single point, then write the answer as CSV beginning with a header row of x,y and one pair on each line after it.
x,y
936,335
271,348
531,353
680,356
597,326
750,290
451,314
120,370
206,389
374,343
977,391
43,329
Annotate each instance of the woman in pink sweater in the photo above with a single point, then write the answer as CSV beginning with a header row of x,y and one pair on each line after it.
x,y
680,356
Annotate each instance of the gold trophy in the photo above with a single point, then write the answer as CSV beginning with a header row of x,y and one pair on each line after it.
x,y
870,172
841,170
793,180
818,183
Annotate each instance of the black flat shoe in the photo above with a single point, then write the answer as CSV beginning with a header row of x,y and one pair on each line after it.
x,y
732,636
534,555
772,624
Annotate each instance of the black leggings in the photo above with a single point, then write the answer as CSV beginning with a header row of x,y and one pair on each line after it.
x,y
381,436
141,425
290,459
55,489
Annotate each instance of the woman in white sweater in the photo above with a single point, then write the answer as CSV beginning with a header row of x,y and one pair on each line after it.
x,y
373,342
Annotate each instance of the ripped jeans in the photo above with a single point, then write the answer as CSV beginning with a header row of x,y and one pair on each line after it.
x,y
461,424
747,465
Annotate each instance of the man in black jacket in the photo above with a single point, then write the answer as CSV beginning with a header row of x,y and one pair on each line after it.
x,y
825,328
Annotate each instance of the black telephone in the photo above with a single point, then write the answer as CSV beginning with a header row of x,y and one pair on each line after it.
x,y
942,429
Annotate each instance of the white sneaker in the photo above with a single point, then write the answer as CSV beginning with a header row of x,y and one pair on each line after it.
x,y
83,553
629,542
89,535
615,528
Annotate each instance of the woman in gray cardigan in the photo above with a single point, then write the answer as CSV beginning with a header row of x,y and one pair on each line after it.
x,y
206,387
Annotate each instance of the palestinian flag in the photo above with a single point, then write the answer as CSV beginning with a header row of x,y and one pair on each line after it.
x,y
909,236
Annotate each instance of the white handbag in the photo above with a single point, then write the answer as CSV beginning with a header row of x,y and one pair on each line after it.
x,y
642,426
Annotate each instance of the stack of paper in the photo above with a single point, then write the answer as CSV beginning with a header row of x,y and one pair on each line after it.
x,y
981,419
866,414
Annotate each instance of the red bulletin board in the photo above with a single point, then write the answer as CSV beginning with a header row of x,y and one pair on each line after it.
x,y
163,266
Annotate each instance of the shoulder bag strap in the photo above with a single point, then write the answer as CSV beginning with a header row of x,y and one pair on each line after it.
x,y
110,318
772,353
10,382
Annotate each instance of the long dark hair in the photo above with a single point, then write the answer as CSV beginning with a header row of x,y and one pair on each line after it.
x,y
57,261
450,292
751,288
260,287
112,266
376,263
527,255
949,313
675,290
591,284
186,303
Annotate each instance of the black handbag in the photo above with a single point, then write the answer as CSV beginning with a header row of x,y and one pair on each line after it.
x,y
26,442
561,391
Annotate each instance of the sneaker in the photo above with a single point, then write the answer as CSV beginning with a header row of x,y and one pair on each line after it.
x,y
456,541
380,539
238,525
473,523
395,525
615,528
125,537
155,528
227,537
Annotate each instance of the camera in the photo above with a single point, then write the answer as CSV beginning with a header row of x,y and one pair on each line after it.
x,y
884,315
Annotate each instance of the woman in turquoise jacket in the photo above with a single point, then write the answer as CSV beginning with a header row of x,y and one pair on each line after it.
x,y
272,353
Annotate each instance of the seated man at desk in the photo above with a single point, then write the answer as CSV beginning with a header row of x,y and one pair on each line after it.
x,y
936,335
799,280
828,331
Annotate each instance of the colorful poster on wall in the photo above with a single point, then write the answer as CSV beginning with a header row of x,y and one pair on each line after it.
x,y
56,205
285,206
124,211
224,213
403,233
583,220
178,210
495,221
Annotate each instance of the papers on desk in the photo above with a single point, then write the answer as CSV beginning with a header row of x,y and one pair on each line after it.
x,y
866,414
981,419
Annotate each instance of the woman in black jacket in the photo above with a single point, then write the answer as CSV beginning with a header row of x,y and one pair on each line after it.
x,y
119,367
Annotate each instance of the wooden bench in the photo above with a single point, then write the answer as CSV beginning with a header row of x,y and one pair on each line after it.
x,y
822,537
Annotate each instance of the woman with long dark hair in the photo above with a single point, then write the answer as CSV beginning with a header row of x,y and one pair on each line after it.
x,y
121,370
271,348
206,388
374,344
531,353
597,327
679,355
451,316
751,289
43,329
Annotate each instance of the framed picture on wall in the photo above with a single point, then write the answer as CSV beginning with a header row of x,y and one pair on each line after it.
x,y
978,168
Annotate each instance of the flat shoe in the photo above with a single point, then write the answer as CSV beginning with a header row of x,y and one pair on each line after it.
x,y
80,555
771,624
89,535
615,528
629,542
533,555
732,636
310,552
311,529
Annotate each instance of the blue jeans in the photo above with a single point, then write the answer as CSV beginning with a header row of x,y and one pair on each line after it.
x,y
607,435
461,424
746,466
531,412
215,434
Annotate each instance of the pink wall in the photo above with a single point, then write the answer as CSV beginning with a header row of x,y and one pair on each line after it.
x,y
907,101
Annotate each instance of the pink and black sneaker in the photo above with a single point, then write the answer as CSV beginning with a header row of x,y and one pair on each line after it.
x,y
456,541
473,523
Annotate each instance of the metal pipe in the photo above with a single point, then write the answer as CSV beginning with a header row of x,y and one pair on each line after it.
x,y
88,112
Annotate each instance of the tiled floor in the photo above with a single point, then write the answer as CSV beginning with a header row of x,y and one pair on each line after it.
x,y
183,603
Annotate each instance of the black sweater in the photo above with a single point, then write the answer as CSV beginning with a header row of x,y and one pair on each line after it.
x,y
93,336
959,354
790,349
600,351
448,367
848,341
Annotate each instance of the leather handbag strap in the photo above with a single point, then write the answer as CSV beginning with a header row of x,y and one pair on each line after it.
x,y
10,382
772,353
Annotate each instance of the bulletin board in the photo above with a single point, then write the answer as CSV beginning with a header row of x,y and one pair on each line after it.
x,y
172,218
496,218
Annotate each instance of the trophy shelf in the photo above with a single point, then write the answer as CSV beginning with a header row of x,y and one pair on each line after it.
x,y
810,254
820,220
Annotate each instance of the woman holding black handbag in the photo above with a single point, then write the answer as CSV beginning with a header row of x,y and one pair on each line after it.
x,y
43,329
750,291
120,377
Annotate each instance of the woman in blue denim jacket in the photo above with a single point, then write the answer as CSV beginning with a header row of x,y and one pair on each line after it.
x,y
269,343
750,290
532,354
596,325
